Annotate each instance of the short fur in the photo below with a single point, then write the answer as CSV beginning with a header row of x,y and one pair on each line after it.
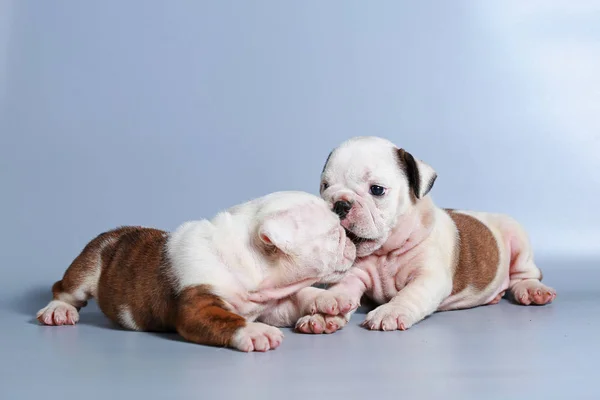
x,y
211,280
415,258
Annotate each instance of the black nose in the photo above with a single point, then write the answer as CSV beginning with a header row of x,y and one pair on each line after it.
x,y
342,208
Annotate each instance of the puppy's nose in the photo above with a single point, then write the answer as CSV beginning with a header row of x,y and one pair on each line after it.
x,y
342,208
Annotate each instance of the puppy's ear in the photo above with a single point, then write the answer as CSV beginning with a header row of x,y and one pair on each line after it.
x,y
421,176
327,161
278,230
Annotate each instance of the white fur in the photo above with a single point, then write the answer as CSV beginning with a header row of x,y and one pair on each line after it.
x,y
406,262
58,312
257,336
259,257
228,253
126,319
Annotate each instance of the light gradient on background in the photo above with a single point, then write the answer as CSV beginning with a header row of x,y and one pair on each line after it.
x,y
157,112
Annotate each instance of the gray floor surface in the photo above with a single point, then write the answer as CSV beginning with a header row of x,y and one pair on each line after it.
x,y
503,351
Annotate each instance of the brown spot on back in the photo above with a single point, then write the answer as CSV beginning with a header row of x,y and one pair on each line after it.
x,y
477,255
82,275
135,274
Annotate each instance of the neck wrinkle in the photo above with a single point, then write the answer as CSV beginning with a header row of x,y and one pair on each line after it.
x,y
421,222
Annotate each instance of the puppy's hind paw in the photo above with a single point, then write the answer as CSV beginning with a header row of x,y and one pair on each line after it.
x,y
58,313
532,291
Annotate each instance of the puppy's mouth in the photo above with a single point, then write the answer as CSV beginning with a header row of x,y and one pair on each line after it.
x,y
357,239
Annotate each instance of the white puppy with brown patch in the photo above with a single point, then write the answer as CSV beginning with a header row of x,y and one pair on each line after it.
x,y
413,257
210,281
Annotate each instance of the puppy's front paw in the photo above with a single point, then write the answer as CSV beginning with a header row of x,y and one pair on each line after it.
x,y
321,323
533,291
256,336
332,304
388,317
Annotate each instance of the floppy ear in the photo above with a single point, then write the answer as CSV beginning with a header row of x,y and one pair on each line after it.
x,y
421,176
277,230
327,161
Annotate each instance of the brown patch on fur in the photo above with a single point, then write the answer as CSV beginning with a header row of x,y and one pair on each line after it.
x,y
135,273
85,265
204,318
541,275
477,254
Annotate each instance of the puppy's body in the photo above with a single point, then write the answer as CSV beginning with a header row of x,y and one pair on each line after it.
x,y
414,257
210,280
469,253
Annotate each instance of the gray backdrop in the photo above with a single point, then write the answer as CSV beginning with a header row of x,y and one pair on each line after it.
x,y
156,112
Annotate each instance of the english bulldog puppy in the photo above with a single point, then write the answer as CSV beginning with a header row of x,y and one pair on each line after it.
x,y
211,281
414,258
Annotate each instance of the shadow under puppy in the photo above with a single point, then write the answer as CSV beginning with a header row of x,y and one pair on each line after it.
x,y
210,280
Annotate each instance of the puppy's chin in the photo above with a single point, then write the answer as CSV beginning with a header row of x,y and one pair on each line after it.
x,y
369,247
365,246
348,251
345,261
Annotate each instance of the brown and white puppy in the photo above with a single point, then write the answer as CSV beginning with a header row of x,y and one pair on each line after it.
x,y
413,257
210,280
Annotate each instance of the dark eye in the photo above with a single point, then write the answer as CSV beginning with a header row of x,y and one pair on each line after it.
x,y
377,190
324,186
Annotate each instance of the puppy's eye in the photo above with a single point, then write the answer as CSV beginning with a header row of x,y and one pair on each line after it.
x,y
324,186
377,190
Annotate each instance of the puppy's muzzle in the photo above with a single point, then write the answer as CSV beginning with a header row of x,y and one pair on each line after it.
x,y
342,208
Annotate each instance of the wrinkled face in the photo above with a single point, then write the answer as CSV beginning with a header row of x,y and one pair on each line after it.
x,y
308,242
370,184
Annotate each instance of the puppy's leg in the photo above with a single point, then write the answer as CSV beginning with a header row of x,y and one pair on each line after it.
x,y
341,298
289,312
327,311
204,318
418,299
322,323
290,309
525,277
79,284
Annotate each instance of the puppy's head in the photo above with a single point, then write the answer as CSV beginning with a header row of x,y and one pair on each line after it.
x,y
303,240
370,183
